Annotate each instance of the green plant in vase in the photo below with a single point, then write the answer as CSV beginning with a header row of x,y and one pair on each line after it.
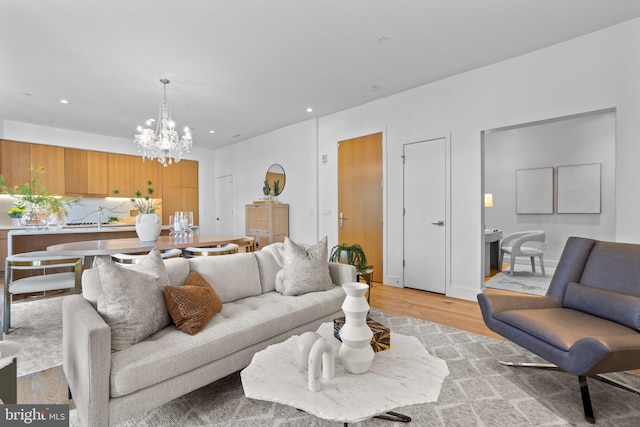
x,y
34,201
354,255
143,204
266,189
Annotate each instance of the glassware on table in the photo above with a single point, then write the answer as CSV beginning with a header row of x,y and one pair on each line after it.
x,y
172,232
189,230
180,222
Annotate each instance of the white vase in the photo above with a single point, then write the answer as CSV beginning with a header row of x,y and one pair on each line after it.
x,y
356,354
148,227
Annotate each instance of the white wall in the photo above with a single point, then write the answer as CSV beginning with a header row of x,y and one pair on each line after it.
x,y
577,140
594,72
294,148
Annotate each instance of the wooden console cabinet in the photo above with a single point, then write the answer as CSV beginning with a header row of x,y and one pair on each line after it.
x,y
267,223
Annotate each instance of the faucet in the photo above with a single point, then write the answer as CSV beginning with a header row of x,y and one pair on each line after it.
x,y
100,217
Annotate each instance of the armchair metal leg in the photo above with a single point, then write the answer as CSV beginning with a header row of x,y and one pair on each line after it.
x,y
584,388
612,381
586,399
530,365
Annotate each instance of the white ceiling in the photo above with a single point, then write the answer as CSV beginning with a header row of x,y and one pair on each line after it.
x,y
246,67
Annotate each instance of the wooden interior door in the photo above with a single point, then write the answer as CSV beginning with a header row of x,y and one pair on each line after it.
x,y
360,197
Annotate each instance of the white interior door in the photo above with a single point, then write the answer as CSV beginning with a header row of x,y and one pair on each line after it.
x,y
425,212
224,205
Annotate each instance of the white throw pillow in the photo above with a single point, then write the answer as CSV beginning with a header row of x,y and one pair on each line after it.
x,y
304,270
132,302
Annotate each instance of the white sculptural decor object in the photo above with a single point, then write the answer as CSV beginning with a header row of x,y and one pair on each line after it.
x,y
356,354
315,353
148,227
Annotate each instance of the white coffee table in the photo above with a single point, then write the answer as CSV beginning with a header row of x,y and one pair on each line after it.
x,y
404,375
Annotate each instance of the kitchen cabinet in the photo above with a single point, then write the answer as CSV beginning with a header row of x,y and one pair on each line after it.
x,y
120,174
97,174
88,173
144,171
14,162
51,158
85,173
267,223
180,189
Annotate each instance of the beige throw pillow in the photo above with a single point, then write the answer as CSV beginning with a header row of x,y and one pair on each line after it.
x,y
304,270
132,301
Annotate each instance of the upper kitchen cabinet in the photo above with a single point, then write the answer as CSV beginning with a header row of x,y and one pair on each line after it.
x,y
181,174
120,174
189,174
14,162
144,171
85,173
180,189
51,158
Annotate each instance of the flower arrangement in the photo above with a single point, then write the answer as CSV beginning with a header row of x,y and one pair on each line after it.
x,y
143,204
35,194
17,209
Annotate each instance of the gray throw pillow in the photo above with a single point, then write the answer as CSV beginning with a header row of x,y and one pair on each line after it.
x,y
304,270
132,301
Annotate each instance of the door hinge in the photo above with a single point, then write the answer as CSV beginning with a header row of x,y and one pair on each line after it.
x,y
403,263
403,158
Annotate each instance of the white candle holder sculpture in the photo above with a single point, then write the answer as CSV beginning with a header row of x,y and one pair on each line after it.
x,y
315,354
356,354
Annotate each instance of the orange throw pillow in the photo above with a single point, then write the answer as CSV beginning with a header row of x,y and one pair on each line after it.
x,y
193,304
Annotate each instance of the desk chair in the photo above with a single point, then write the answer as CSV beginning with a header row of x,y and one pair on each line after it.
x,y
229,248
512,244
39,262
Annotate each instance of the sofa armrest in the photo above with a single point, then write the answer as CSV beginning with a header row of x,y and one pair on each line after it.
x,y
495,303
342,273
86,359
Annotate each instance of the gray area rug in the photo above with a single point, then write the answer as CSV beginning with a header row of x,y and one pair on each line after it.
x,y
37,325
523,280
478,392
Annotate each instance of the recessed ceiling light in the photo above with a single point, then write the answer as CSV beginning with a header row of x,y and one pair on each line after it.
x,y
64,101
309,110
212,131
237,135
383,40
372,88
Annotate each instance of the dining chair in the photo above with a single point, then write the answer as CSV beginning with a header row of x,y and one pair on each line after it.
x,y
39,265
226,249
120,258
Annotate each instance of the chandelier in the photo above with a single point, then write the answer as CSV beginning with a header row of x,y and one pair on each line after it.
x,y
164,144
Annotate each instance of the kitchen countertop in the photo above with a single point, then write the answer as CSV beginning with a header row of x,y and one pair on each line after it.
x,y
75,229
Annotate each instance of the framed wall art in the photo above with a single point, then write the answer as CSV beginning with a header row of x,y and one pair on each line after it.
x,y
579,189
534,191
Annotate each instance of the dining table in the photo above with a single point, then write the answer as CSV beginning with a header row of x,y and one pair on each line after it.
x,y
134,245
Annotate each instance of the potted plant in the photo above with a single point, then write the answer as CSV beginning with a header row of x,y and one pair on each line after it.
x,y
354,255
34,203
148,223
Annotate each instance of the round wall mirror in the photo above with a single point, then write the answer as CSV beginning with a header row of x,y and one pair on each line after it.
x,y
276,179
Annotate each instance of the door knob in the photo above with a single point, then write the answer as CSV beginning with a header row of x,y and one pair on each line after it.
x,y
439,223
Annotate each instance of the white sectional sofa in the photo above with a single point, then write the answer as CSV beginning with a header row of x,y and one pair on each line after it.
x,y
109,387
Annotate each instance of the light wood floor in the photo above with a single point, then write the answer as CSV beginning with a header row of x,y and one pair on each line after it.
x,y
50,386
